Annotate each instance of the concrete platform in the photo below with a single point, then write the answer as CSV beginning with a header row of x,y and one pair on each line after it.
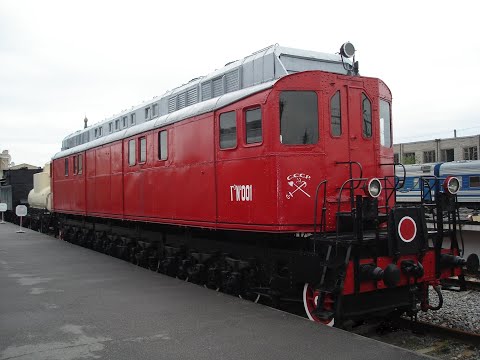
x,y
61,301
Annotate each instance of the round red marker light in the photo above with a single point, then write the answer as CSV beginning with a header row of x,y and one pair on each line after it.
x,y
407,229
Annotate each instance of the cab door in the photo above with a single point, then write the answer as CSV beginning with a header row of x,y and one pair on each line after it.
x,y
361,142
337,142
349,139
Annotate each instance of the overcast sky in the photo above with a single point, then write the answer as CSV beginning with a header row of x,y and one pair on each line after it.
x,y
62,60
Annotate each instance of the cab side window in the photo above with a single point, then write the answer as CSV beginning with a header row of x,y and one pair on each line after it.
x,y
66,166
80,164
253,126
298,117
131,152
228,130
75,165
143,150
163,145
336,114
366,116
385,127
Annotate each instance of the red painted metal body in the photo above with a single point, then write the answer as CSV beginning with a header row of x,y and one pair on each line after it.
x,y
248,187
269,186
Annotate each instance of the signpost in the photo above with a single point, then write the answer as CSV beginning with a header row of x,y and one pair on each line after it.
x,y
21,211
3,208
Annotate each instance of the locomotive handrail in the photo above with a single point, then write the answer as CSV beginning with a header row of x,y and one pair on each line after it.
x,y
396,177
388,196
343,185
351,177
425,180
324,209
350,163
396,182
360,180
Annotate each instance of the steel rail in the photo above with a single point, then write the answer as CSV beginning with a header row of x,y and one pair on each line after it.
x,y
441,331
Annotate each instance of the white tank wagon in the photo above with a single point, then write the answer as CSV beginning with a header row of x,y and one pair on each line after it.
x,y
40,200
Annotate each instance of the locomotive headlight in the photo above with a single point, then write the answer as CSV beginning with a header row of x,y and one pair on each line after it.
x,y
451,185
373,188
347,50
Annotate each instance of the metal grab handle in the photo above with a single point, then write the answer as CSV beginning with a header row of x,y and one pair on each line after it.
x,y
324,182
350,163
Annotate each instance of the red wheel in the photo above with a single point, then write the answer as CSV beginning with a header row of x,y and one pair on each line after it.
x,y
310,299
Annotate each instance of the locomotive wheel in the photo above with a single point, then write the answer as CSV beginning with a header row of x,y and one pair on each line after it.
x,y
67,234
310,299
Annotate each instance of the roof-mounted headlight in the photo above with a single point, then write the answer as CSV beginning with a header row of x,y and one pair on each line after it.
x,y
451,185
347,50
373,188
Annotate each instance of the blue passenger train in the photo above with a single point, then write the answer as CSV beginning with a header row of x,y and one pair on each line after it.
x,y
421,180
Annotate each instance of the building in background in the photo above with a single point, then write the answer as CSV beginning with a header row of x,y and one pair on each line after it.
x,y
7,164
5,160
444,150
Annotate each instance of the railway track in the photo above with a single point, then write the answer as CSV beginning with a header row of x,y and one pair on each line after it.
x,y
425,328
424,338
455,284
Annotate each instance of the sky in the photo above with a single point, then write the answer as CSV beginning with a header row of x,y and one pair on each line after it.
x,y
63,60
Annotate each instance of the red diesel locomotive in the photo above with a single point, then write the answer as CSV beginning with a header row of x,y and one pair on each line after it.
x,y
272,177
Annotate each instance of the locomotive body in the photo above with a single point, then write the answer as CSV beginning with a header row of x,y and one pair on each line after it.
x,y
282,188
240,178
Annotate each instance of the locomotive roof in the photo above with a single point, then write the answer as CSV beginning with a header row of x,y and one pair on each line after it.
x,y
465,167
196,109
231,83
416,169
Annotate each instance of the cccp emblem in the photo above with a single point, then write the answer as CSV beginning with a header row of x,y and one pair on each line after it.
x,y
298,183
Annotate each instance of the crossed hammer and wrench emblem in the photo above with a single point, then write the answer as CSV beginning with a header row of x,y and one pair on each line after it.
x,y
297,188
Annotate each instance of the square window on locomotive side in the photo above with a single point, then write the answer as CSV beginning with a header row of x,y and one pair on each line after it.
x,y
336,115
163,145
228,130
66,166
366,117
253,126
80,164
385,124
142,153
75,165
131,152
298,117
